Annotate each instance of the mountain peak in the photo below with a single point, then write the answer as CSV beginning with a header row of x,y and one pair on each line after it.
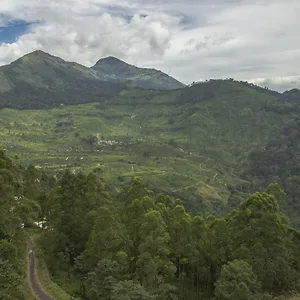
x,y
109,63
112,68
36,57
293,93
110,59
38,53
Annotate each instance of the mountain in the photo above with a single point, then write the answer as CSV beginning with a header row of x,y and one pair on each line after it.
x,y
41,69
40,80
113,69
293,93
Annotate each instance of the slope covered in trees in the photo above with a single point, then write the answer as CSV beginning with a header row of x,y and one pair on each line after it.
x,y
138,244
279,159
142,245
199,143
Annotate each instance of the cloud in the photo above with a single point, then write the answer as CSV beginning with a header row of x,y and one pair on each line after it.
x,y
279,83
190,39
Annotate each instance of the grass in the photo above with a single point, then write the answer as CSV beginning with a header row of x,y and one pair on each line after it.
x,y
188,148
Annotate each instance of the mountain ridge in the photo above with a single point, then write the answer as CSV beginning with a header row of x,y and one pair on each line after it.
x,y
117,69
41,80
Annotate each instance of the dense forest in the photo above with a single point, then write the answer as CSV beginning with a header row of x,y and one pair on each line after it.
x,y
140,245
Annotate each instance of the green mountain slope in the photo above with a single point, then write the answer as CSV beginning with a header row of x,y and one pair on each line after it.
x,y
279,159
113,69
40,80
193,143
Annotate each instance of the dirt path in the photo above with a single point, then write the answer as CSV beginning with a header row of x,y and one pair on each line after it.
x,y
33,280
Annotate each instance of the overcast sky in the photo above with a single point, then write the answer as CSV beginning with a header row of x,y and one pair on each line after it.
x,y
192,40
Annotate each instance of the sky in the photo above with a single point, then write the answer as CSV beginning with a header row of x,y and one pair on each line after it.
x,y
192,40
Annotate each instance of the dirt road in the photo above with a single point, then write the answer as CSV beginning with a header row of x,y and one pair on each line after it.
x,y
33,280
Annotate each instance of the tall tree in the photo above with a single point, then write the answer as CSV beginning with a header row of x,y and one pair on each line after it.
x,y
179,225
108,237
237,282
153,265
260,235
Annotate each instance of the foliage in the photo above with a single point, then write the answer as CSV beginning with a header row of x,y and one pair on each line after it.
x,y
237,282
142,245
15,212
199,157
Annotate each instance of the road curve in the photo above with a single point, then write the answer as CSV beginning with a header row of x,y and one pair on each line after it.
x,y
33,280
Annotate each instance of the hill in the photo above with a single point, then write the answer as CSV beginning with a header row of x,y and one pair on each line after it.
x,y
40,80
278,160
194,143
113,69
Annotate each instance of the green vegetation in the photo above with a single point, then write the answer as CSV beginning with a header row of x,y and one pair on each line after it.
x,y
113,69
198,143
15,209
142,245
39,80
141,193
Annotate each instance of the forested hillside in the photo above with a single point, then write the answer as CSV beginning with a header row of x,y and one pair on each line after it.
x,y
211,144
142,245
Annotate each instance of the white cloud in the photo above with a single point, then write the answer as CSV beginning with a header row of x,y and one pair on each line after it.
x,y
191,40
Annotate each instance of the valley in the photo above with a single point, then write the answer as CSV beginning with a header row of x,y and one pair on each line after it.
x,y
146,187
195,149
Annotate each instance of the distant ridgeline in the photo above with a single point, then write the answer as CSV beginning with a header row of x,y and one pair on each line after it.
x,y
39,80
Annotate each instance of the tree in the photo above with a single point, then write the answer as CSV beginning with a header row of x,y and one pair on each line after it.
x,y
198,252
278,193
102,280
237,282
107,238
10,281
137,189
75,202
179,225
133,219
130,290
260,236
153,265
218,248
